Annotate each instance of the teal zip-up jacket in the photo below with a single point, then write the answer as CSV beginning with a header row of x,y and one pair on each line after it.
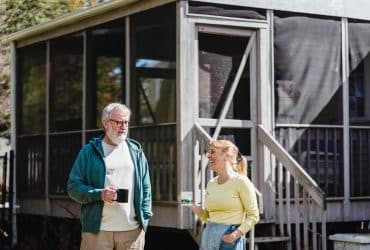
x,y
86,183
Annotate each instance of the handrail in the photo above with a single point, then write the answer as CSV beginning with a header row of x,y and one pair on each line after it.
x,y
292,166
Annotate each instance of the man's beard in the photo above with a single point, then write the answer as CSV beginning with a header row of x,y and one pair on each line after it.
x,y
116,139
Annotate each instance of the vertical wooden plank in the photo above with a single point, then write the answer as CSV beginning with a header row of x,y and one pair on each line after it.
x,y
186,103
351,160
47,125
280,198
335,167
308,149
368,158
127,60
85,56
279,187
203,177
359,166
297,215
171,166
299,150
305,219
323,228
13,137
197,175
326,160
314,226
158,170
346,124
288,200
317,153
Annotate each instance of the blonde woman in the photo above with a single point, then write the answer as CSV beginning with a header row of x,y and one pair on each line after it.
x,y
230,202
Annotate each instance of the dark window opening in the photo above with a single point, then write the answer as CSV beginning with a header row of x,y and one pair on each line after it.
x,y
105,69
153,50
66,83
219,60
31,93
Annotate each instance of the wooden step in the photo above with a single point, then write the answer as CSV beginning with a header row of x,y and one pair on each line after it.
x,y
266,221
269,239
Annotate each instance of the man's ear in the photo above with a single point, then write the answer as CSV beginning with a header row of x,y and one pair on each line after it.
x,y
104,124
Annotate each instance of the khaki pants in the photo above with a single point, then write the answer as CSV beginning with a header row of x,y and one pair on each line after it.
x,y
107,240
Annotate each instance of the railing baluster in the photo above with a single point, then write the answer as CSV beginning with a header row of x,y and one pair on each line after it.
x,y
314,226
351,166
360,163
305,218
297,215
317,153
323,228
335,159
326,162
288,200
368,159
280,197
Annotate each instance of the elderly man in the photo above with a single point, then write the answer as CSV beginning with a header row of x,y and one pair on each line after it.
x,y
110,178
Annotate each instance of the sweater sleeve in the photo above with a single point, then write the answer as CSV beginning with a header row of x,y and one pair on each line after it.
x,y
249,201
204,216
77,188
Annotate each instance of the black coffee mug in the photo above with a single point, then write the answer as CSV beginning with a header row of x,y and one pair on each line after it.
x,y
122,195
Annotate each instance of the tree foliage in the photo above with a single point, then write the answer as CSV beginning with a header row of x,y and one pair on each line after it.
x,y
16,15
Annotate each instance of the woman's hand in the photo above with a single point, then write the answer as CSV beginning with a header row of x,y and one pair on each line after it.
x,y
230,238
196,209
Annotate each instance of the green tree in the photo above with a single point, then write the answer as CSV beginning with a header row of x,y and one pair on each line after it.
x,y
16,15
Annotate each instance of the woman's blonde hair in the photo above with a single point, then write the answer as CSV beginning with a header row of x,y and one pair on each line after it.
x,y
238,162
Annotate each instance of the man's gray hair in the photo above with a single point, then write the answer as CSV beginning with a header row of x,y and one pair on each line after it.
x,y
108,110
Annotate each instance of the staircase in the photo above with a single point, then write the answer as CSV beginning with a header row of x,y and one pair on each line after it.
x,y
298,203
266,237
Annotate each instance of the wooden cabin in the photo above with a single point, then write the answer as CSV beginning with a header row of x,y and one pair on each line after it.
x,y
288,81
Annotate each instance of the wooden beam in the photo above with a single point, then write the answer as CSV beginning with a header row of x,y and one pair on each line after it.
x,y
82,19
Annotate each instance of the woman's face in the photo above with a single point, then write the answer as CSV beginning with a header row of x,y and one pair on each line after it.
x,y
216,158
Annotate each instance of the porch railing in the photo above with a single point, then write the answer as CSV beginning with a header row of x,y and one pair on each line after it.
x,y
158,142
319,150
202,175
307,205
30,161
159,145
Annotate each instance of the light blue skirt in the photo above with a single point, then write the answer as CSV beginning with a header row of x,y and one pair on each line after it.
x,y
212,237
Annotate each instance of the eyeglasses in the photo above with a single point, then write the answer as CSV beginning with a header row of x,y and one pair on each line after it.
x,y
120,123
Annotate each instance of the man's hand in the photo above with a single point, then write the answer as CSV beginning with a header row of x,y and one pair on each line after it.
x,y
109,194
230,238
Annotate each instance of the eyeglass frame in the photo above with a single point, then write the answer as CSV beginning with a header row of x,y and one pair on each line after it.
x,y
120,123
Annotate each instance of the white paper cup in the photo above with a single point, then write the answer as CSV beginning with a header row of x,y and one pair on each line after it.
x,y
186,198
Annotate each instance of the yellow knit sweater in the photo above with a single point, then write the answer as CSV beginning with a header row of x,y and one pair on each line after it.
x,y
233,202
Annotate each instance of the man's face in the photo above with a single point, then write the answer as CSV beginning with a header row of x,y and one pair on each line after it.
x,y
116,128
